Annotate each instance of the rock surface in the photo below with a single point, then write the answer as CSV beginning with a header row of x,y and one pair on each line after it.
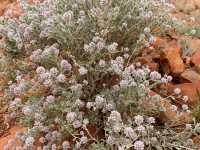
x,y
11,135
173,57
190,75
196,60
191,90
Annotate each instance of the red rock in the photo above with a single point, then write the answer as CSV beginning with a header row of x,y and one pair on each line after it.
x,y
191,75
1,93
193,43
168,114
16,10
197,2
147,60
160,42
174,60
185,5
11,135
190,90
196,140
3,5
171,117
196,60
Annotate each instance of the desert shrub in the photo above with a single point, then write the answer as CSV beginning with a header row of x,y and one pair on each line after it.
x,y
74,23
75,80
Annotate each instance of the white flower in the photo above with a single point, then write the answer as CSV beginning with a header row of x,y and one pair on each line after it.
x,y
53,147
169,78
138,64
152,40
188,127
141,129
79,103
40,70
89,105
18,77
50,99
113,47
65,145
164,80
116,87
151,120
48,83
45,147
185,107
61,78
185,98
65,65
117,65
110,140
121,147
99,101
29,141
54,72
88,48
147,30
124,84
68,16
117,68
83,70
173,108
190,142
177,91
117,127
102,63
85,121
126,56
18,100
155,75
15,103
124,25
53,49
119,60
83,140
71,116
139,119
76,124
82,14
100,45
193,31
26,110
115,116
130,133
140,73
139,145
77,145
77,88
85,82
109,107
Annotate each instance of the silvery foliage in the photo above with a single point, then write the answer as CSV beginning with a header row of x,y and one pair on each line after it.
x,y
73,23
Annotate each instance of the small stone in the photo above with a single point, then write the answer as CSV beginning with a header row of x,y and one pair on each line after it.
x,y
197,3
173,57
190,90
185,5
196,60
190,75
